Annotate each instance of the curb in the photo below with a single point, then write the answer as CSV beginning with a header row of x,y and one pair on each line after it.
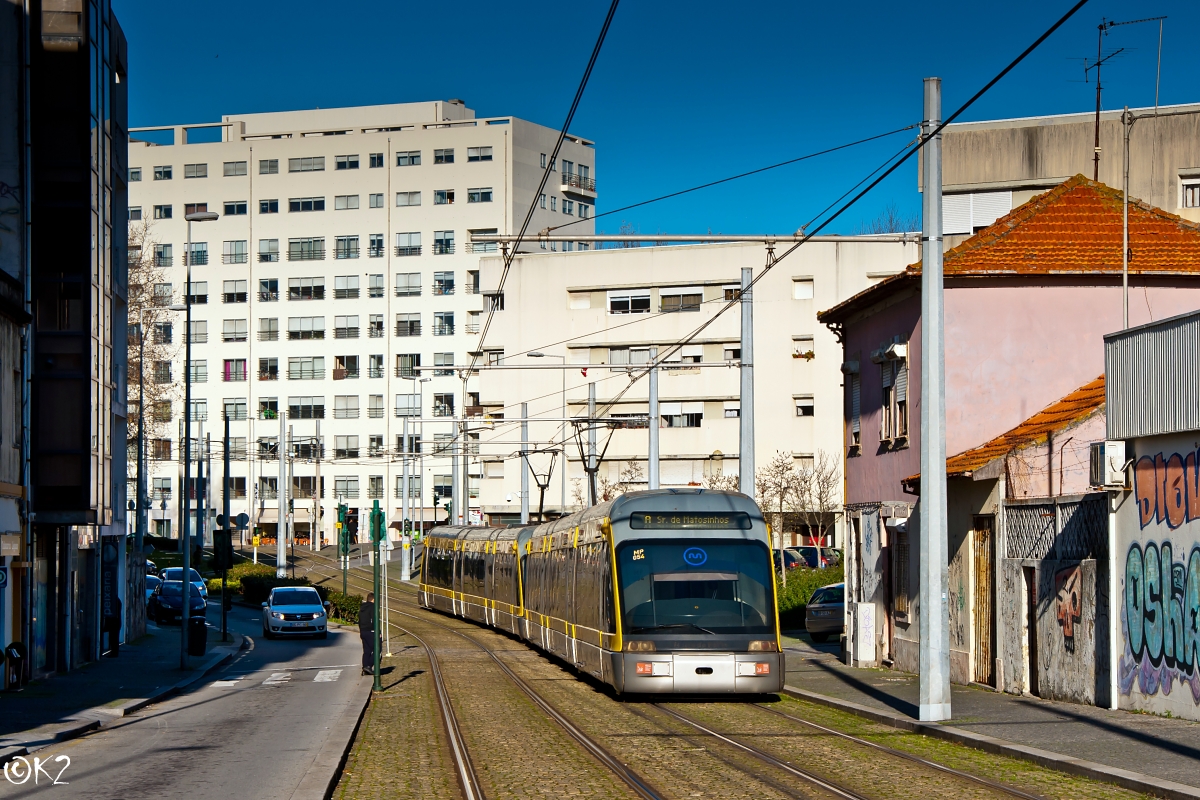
x,y
1124,778
322,777
115,713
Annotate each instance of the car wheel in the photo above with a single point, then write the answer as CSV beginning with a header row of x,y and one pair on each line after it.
x,y
819,638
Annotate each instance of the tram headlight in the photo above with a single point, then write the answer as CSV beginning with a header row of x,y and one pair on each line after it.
x,y
640,646
763,646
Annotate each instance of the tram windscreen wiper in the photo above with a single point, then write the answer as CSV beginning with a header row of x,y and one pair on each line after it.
x,y
643,629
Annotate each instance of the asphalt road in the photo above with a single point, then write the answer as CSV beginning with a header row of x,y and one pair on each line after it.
x,y
252,729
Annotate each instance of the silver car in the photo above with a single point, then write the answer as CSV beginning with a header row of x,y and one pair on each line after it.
x,y
294,611
826,612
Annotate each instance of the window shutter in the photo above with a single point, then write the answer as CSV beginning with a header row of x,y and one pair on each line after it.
x,y
886,373
855,404
670,409
692,408
901,382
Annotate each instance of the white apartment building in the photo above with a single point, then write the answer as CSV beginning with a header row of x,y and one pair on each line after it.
x,y
602,311
340,263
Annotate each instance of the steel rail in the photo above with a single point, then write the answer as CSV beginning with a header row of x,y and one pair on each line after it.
x,y
989,783
631,778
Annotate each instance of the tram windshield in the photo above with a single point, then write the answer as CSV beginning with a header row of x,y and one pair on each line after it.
x,y
695,587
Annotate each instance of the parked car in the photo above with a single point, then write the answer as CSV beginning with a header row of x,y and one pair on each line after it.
x,y
152,583
176,574
815,557
294,610
151,567
791,559
826,612
166,603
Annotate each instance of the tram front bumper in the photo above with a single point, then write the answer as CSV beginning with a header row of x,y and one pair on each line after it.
x,y
702,673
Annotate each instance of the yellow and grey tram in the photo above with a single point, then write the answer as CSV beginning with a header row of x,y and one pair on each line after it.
x,y
660,591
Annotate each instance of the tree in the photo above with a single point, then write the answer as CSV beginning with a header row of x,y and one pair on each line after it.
x,y
819,493
777,485
720,482
890,220
629,478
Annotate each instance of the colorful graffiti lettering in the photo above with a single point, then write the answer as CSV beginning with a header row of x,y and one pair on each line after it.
x,y
1167,489
1068,605
1161,619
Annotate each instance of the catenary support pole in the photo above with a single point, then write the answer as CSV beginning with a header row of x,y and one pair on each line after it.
x,y
228,526
591,457
525,463
1126,123
746,410
314,525
406,514
185,499
281,495
652,455
935,622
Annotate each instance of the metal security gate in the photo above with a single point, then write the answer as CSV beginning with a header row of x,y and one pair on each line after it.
x,y
985,582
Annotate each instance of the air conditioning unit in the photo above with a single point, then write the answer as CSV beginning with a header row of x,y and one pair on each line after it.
x,y
1108,465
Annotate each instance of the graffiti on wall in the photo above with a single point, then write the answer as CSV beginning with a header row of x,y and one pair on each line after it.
x,y
1068,603
1161,619
1167,489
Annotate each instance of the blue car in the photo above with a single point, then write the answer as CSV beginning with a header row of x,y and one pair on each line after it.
x,y
152,583
166,603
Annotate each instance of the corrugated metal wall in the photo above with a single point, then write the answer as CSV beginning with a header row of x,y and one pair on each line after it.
x,y
1152,378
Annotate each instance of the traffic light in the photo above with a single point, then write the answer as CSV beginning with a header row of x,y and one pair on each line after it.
x,y
343,531
222,550
376,524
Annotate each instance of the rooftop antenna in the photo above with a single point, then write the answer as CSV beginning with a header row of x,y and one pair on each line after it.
x,y
1102,31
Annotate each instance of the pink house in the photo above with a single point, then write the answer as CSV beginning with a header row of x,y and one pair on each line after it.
x,y
1027,303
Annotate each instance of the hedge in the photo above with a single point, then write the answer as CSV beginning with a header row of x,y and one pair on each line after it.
x,y
238,572
344,606
801,583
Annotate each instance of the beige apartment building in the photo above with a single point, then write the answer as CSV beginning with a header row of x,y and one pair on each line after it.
x,y
340,266
600,312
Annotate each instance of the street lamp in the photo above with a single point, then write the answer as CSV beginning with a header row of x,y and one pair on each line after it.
x,y
185,533
420,385
562,509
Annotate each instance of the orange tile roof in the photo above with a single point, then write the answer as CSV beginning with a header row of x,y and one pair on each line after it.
x,y
1060,414
1075,228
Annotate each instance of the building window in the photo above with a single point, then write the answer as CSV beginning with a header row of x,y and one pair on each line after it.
x,y
345,406
408,405
135,174
585,212
313,164
631,301
235,208
234,292
568,207
345,202
234,330
376,200
805,406
306,288
443,283
268,206
375,329
443,360
306,204
345,287
894,379
671,300
198,292
542,161
198,411
443,197
306,407
443,156
681,415
854,401
198,331
408,198
376,160
162,212
195,171
268,408
407,364
306,328
198,370
346,488
164,333
306,249
306,368
481,195
443,404
346,247
494,302
162,372
408,284
268,370
162,410
375,250
443,323
235,169
802,289
410,158
268,166
268,329
162,488
160,449
408,244
443,243
624,356
345,327
268,250
899,550
802,347
542,204
479,154
1191,195
345,162
162,173
235,370
163,256
135,213
234,252
553,203
194,208
375,486
345,368
408,324
268,290
733,409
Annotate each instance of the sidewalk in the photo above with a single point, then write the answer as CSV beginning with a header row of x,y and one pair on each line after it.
x,y
1159,748
68,705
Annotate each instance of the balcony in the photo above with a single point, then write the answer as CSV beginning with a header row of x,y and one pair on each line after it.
x,y
375,291
471,288
443,410
268,375
575,184
305,374
374,494
443,288
268,336
346,452
234,376
268,297
472,327
482,247
163,261
375,413
375,252
265,494
306,255
344,374
375,332
198,259
234,258
443,248
234,297
375,372
408,329
199,338
268,257
294,335
443,329
414,250
268,413
406,372
345,333
345,294
234,336
349,494
346,413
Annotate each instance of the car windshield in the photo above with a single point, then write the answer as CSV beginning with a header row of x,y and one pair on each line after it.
x,y
712,587
175,589
830,594
295,597
152,581
176,573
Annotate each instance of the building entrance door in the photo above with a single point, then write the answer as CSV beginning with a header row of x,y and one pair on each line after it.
x,y
984,627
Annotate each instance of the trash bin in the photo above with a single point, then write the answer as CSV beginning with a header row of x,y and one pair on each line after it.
x,y
16,664
197,636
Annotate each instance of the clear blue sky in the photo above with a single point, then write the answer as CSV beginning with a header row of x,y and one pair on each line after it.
x,y
683,93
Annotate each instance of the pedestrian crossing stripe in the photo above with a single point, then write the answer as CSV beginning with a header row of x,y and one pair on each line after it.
x,y
277,678
327,676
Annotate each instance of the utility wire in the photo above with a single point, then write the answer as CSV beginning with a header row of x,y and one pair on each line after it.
x,y
508,257
808,236
735,177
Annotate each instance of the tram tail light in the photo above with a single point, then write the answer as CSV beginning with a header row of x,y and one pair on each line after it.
x,y
639,646
767,646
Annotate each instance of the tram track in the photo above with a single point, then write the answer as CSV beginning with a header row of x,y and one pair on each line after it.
x,y
824,786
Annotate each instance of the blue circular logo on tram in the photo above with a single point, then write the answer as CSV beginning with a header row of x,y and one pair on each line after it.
x,y
694,557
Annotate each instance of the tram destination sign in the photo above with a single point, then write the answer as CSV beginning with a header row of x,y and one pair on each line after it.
x,y
735,521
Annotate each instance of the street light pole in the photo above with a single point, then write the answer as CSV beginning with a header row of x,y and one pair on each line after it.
x,y
562,470
185,531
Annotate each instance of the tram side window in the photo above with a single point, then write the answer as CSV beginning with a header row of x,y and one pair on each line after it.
x,y
440,565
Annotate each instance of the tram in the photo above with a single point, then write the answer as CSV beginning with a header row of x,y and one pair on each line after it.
x,y
664,591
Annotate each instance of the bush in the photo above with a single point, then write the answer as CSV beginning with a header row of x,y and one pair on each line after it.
x,y
801,583
238,572
344,606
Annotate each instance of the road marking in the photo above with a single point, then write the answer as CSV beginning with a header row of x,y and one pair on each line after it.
x,y
277,678
327,676
227,682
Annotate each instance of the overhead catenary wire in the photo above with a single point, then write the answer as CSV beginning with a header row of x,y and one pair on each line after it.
x,y
508,256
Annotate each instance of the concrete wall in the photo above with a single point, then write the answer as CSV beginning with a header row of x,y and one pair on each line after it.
x,y
1158,578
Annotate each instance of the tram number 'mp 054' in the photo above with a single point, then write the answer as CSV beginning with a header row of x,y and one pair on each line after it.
x,y
738,520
